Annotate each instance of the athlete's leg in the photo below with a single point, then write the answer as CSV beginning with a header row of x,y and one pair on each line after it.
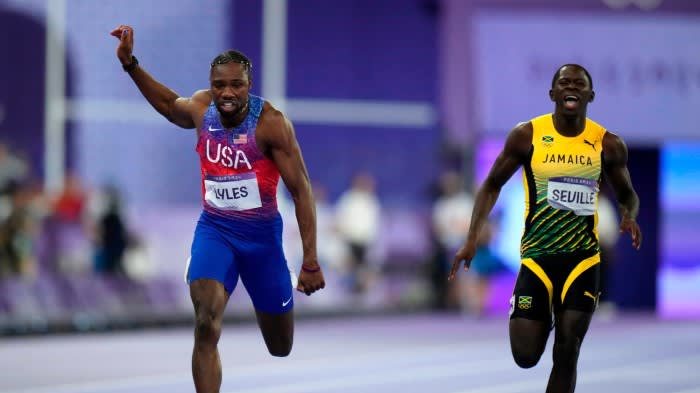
x,y
572,321
278,331
212,275
209,299
268,281
528,338
570,329
530,314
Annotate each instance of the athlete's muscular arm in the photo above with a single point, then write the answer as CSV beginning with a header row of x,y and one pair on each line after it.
x,y
276,138
615,168
514,153
178,110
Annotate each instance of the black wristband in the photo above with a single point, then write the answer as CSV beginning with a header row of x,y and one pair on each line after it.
x,y
131,66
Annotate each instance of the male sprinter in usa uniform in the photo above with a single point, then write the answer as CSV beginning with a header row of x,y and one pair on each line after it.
x,y
244,145
563,156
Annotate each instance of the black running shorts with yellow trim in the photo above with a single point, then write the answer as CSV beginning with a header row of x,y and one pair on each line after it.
x,y
553,283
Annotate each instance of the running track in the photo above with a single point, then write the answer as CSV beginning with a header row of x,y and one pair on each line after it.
x,y
406,354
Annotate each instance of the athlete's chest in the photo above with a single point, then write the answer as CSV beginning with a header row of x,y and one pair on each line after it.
x,y
228,149
553,154
567,171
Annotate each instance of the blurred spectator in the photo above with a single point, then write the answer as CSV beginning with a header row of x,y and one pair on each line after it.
x,y
358,214
451,216
68,228
12,169
331,250
19,233
484,266
330,247
608,233
291,240
70,203
111,235
137,261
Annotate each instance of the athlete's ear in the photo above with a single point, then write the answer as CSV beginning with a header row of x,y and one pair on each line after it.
x,y
551,95
592,96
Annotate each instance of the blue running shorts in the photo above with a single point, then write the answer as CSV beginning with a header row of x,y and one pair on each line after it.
x,y
224,249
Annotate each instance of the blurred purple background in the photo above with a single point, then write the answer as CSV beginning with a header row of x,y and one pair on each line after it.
x,y
401,89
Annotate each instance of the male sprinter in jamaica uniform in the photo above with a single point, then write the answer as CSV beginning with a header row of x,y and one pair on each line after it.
x,y
244,145
563,156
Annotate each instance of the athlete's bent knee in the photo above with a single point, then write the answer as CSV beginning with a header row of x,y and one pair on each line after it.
x,y
282,347
207,327
280,352
526,356
526,361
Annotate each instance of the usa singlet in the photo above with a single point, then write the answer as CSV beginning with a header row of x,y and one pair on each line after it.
x,y
561,182
239,233
238,181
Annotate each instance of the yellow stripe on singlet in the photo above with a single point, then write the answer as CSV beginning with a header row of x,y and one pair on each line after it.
x,y
539,272
578,270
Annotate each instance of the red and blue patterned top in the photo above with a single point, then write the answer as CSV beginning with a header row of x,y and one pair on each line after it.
x,y
238,181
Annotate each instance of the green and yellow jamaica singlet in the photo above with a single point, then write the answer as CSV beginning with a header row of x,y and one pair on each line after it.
x,y
561,181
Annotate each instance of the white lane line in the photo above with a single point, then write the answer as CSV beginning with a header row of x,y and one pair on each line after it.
x,y
396,377
436,365
691,390
289,366
608,374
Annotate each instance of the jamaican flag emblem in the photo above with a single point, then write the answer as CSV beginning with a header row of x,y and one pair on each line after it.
x,y
524,302
547,140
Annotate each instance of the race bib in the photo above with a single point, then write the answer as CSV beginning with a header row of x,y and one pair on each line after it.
x,y
572,193
232,192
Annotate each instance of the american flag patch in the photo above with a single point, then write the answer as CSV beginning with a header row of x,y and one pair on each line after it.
x,y
239,139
